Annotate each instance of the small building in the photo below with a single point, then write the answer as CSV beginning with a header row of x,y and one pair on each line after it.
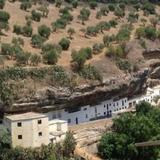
x,y
34,129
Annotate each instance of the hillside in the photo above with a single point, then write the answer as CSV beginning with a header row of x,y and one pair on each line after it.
x,y
69,49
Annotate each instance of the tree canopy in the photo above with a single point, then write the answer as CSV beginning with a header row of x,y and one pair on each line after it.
x,y
129,129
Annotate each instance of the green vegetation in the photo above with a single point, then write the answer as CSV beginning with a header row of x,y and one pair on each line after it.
x,y
116,51
36,16
129,129
2,4
25,5
90,72
63,151
79,57
4,17
64,43
44,31
84,15
148,32
37,41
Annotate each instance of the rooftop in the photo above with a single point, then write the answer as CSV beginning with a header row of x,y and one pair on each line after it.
x,y
55,121
25,116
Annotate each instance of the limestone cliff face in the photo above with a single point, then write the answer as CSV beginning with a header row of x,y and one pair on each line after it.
x,y
52,98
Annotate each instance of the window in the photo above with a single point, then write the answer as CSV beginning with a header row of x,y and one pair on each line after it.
x,y
40,133
85,109
39,121
86,116
104,113
19,124
122,103
53,116
19,136
59,127
104,106
69,120
59,115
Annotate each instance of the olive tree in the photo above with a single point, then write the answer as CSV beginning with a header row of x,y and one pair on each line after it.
x,y
44,31
64,43
84,15
71,31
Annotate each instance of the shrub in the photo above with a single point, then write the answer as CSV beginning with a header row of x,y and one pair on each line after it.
x,y
78,59
111,7
47,47
132,17
25,5
2,3
92,31
93,4
4,16
119,12
123,64
44,31
37,41
150,33
59,24
104,10
18,41
36,16
97,48
98,14
64,43
35,59
124,33
74,3
22,57
51,57
17,29
71,31
146,32
44,10
6,49
84,15
113,23
58,3
108,39
87,52
90,72
149,8
116,51
27,31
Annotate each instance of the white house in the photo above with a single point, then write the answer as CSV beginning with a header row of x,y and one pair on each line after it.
x,y
34,129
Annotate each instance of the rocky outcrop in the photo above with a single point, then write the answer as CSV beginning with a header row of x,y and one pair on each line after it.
x,y
155,73
152,53
51,98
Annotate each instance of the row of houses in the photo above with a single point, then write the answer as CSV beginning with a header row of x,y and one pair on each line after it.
x,y
34,129
104,109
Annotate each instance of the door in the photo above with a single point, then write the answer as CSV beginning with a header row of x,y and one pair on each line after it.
x,y
76,120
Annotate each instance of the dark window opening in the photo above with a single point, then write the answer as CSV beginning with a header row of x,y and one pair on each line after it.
x,y
40,133
69,120
19,124
19,136
39,121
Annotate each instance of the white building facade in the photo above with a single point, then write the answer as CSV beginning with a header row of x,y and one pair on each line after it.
x,y
34,129
104,109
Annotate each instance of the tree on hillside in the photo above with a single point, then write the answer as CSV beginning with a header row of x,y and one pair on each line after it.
x,y
44,31
37,41
71,31
2,3
84,15
51,57
35,59
64,43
